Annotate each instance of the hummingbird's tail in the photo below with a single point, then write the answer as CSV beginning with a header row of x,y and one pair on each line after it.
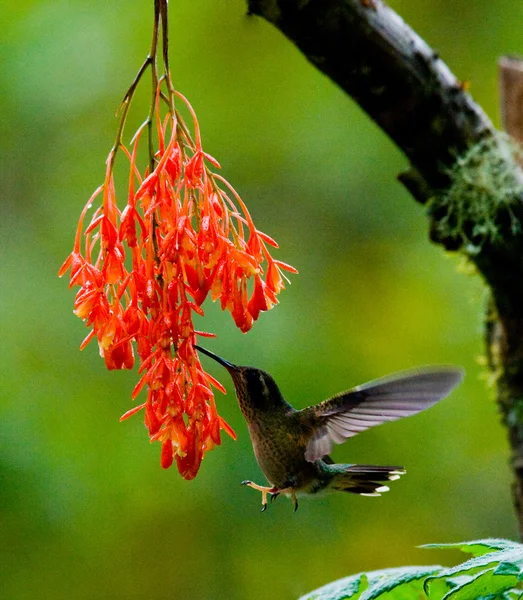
x,y
366,480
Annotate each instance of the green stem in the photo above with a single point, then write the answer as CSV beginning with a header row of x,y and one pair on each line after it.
x,y
153,56
124,111
164,9
126,102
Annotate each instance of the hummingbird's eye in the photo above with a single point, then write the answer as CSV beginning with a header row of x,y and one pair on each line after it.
x,y
253,377
256,380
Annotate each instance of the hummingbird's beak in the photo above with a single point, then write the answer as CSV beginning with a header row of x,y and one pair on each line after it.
x,y
225,363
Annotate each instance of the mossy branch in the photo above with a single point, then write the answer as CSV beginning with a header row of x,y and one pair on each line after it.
x,y
485,187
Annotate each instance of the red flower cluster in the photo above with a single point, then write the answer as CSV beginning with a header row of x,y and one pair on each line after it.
x,y
143,273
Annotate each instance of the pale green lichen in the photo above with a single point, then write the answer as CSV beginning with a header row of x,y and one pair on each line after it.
x,y
486,183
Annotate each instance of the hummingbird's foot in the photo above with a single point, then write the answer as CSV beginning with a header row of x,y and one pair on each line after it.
x,y
274,495
264,491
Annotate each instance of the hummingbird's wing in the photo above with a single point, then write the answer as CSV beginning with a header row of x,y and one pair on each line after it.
x,y
388,399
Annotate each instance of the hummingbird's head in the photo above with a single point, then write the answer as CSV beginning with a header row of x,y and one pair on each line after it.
x,y
255,388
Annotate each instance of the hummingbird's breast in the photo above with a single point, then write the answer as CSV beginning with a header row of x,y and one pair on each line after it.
x,y
279,446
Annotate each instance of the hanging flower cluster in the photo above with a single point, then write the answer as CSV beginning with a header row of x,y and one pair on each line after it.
x,y
145,270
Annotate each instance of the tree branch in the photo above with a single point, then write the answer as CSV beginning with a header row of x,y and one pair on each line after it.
x,y
507,358
403,85
368,50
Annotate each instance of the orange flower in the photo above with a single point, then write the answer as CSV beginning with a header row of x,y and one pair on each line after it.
x,y
145,271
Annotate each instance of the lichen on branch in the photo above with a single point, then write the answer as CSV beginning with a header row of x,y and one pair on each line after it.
x,y
485,186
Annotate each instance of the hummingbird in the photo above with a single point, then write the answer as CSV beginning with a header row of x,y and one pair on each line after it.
x,y
292,446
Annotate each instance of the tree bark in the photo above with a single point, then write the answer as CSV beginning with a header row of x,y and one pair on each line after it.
x,y
507,358
404,86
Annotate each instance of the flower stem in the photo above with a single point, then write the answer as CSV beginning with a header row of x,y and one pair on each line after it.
x,y
153,54
165,52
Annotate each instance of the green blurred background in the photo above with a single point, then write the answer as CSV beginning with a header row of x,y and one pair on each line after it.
x,y
85,509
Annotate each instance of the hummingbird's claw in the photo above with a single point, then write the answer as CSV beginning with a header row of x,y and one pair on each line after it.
x,y
264,491
273,492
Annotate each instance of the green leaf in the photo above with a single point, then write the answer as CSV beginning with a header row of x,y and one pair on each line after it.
x,y
406,581
374,584
483,584
496,567
348,587
477,547
511,564
493,573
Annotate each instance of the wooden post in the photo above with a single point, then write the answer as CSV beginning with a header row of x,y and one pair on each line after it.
x,y
511,95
